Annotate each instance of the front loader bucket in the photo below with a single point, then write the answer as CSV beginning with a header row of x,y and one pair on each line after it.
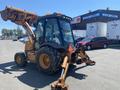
x,y
18,16
3,15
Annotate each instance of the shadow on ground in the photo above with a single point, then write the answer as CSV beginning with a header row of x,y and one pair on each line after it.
x,y
33,77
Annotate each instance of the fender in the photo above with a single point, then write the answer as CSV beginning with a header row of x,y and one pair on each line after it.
x,y
54,45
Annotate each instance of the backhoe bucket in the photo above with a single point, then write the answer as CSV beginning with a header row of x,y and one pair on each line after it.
x,y
59,86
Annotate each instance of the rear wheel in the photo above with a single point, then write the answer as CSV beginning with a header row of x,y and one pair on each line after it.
x,y
48,60
20,59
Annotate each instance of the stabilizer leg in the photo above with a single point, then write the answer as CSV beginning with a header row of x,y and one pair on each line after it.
x,y
84,58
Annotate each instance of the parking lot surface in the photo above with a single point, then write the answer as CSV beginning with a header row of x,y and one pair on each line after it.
x,y
105,75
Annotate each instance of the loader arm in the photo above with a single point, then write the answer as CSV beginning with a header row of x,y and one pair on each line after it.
x,y
20,17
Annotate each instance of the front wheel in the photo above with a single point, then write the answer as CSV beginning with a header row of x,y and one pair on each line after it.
x,y
20,59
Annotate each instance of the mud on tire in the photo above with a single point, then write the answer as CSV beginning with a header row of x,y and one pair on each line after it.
x,y
20,59
48,60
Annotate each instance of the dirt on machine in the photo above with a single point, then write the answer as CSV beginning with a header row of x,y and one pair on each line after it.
x,y
50,46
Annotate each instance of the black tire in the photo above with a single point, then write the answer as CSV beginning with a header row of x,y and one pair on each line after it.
x,y
20,59
53,60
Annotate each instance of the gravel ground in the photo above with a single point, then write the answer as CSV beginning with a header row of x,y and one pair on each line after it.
x,y
105,75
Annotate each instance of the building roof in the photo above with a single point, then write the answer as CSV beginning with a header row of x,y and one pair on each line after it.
x,y
100,15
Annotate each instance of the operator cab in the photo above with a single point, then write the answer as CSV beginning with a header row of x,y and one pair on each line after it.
x,y
54,29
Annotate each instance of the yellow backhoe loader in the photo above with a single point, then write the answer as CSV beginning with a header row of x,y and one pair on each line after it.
x,y
51,46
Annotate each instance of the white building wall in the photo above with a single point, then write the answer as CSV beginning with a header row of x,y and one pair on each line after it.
x,y
79,33
96,29
113,30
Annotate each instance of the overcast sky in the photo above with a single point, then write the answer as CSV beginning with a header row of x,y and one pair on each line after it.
x,y
69,7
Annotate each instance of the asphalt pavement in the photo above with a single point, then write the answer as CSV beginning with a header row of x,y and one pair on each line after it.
x,y
105,75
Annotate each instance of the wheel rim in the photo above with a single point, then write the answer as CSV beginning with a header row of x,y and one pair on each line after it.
x,y
105,46
18,59
88,47
44,61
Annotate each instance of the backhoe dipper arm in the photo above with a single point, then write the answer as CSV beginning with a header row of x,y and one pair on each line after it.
x,y
68,59
20,17
60,83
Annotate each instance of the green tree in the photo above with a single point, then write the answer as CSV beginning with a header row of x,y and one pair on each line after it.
x,y
8,33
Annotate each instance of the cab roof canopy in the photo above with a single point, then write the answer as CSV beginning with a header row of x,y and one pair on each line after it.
x,y
55,15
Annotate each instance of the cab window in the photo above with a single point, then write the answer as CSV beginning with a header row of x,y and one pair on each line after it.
x,y
39,34
52,31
